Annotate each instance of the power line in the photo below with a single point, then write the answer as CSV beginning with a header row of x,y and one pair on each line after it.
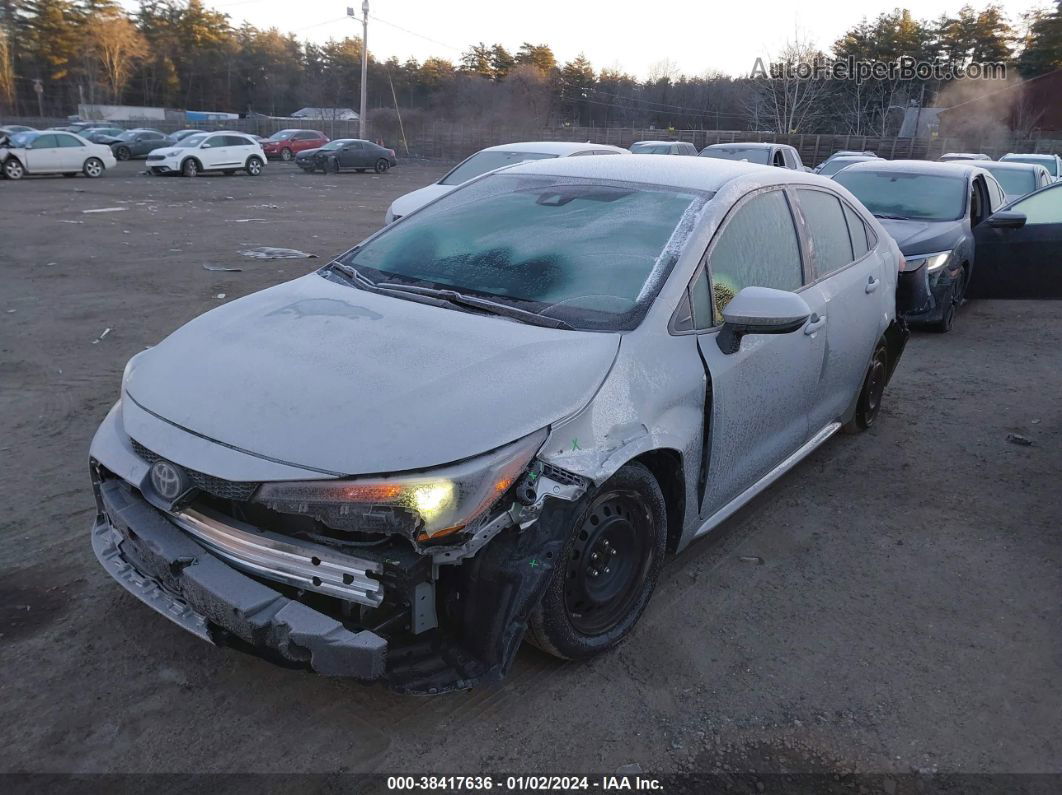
x,y
418,35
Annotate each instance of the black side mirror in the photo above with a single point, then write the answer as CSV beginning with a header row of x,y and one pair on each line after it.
x,y
1007,219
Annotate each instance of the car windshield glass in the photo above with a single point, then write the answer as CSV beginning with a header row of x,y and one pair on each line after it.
x,y
482,162
757,154
650,149
283,135
21,139
1013,180
591,253
1047,162
927,197
336,144
192,140
128,135
835,165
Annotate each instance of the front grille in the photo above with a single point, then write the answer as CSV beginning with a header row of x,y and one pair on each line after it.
x,y
238,490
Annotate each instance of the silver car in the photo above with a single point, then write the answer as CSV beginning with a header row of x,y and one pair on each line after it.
x,y
492,419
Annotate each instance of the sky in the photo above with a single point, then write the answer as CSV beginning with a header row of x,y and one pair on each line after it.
x,y
695,36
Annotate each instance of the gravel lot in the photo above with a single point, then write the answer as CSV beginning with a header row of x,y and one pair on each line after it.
x,y
893,604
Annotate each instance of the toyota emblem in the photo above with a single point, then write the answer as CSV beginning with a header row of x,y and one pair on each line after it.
x,y
169,480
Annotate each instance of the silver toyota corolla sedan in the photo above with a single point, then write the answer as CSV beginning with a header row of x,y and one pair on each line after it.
x,y
491,420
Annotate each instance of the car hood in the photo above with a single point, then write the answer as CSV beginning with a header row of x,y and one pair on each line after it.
x,y
325,376
404,205
924,237
307,153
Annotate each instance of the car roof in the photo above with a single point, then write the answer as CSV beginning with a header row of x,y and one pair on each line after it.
x,y
1011,165
708,174
1023,154
656,142
551,147
951,169
967,155
743,145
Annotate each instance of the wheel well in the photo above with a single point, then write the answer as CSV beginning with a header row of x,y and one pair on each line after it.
x,y
666,467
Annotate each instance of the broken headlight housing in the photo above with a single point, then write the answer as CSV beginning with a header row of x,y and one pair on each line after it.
x,y
426,505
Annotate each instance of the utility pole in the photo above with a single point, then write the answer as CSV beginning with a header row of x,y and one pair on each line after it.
x,y
364,61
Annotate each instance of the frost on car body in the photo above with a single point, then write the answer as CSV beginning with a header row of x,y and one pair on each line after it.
x,y
488,420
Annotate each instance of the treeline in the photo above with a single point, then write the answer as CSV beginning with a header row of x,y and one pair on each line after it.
x,y
57,53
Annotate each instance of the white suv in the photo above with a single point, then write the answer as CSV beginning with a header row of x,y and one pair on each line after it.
x,y
227,152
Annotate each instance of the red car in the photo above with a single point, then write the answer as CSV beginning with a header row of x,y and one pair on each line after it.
x,y
285,144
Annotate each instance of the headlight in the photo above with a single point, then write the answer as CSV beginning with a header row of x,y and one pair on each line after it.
x,y
427,505
933,262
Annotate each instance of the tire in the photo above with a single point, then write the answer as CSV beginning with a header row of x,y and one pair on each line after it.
x,y
122,153
611,563
254,166
381,166
285,155
93,168
190,168
13,168
943,326
333,165
868,404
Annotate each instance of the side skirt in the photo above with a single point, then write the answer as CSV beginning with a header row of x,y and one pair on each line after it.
x,y
791,461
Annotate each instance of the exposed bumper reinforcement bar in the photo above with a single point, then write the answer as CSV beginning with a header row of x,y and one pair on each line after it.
x,y
179,578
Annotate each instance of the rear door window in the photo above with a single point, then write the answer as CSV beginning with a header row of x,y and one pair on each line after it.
x,y
68,141
828,237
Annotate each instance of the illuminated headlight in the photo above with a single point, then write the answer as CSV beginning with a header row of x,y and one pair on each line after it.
x,y
933,262
428,505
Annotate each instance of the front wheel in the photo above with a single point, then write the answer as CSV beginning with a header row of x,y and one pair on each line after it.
x,y
285,155
254,166
13,169
608,569
381,166
93,167
868,404
190,168
947,319
123,153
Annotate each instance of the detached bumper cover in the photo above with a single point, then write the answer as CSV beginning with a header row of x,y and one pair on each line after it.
x,y
179,578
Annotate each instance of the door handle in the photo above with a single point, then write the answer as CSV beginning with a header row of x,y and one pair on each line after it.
x,y
814,324
872,284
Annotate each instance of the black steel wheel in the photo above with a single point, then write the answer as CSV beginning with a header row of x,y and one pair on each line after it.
x,y
608,570
868,404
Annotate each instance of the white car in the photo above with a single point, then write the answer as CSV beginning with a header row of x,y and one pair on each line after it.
x,y
227,152
489,159
1053,163
51,152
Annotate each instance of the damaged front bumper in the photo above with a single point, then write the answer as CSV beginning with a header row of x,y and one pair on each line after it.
x,y
180,579
427,622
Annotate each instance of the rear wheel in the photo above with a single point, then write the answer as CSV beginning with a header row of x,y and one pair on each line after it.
x,y
13,169
93,167
254,165
869,401
608,569
190,167
381,166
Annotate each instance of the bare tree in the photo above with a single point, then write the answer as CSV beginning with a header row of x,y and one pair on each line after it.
x,y
7,72
787,97
118,46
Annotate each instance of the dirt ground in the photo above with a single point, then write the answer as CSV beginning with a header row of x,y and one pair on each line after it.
x,y
894,604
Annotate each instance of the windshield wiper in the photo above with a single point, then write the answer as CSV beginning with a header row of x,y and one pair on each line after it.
x,y
483,304
352,273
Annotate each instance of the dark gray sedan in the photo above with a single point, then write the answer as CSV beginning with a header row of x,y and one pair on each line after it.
x,y
347,154
137,143
931,210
